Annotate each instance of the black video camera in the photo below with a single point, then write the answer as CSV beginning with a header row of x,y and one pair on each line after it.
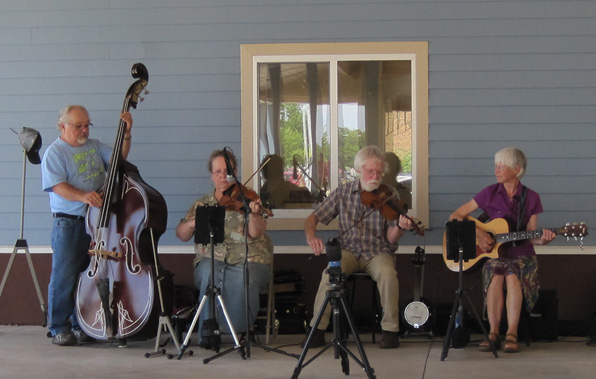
x,y
333,250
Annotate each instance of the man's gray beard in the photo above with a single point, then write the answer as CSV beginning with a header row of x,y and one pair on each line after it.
x,y
82,140
371,185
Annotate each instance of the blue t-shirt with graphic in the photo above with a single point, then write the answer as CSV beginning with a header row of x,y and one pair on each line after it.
x,y
83,167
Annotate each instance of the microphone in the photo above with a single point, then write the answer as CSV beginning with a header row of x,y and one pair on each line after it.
x,y
229,176
295,164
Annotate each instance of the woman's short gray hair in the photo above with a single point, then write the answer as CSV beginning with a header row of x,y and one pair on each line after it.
x,y
367,153
63,115
513,158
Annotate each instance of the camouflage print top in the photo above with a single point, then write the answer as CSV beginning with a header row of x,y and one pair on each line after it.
x,y
233,249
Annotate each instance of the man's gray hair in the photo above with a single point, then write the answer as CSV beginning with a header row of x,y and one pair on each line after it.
x,y
366,153
63,115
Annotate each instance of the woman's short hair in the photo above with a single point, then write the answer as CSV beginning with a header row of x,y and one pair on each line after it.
x,y
513,158
367,153
221,153
63,115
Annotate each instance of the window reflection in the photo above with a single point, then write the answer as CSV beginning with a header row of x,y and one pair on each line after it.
x,y
374,108
294,125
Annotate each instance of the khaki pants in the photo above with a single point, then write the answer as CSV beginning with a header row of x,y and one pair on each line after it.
x,y
381,268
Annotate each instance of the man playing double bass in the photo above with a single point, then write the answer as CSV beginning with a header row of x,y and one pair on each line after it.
x,y
367,244
73,169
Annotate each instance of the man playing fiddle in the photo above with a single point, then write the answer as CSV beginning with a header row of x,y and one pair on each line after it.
x,y
368,244
230,255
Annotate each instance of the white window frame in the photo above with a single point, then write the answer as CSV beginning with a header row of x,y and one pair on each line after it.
x,y
417,52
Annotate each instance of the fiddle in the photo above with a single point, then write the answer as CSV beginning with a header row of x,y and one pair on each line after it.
x,y
231,199
390,207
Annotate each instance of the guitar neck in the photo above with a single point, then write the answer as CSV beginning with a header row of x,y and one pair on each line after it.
x,y
522,235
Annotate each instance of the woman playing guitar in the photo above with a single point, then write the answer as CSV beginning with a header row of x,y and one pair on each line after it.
x,y
516,266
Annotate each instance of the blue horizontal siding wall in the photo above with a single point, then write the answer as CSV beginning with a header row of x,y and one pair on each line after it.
x,y
501,73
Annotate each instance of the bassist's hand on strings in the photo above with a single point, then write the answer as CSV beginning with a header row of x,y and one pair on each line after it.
x,y
127,118
93,199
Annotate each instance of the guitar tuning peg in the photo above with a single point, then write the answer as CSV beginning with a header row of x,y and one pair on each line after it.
x,y
141,99
146,92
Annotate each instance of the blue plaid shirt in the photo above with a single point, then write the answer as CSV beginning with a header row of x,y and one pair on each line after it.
x,y
369,237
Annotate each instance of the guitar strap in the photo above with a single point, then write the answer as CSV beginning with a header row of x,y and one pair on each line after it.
x,y
521,210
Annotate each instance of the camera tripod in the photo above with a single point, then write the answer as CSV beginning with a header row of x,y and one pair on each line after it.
x,y
337,296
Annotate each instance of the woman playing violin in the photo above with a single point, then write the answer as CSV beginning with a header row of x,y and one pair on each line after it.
x,y
230,255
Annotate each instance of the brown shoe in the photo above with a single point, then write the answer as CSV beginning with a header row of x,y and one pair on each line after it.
x,y
317,340
389,340
511,345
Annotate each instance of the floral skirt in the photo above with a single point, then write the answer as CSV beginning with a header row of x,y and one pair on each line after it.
x,y
526,270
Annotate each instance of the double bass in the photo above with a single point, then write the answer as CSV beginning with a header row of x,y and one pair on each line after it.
x,y
116,294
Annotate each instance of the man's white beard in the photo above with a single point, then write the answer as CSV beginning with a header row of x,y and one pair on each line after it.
x,y
82,140
370,186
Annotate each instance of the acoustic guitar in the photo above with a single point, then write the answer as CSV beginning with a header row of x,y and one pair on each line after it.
x,y
499,231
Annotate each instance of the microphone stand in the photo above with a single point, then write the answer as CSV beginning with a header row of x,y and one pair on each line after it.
x,y
245,201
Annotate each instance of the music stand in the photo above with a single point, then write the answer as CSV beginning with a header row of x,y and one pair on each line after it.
x,y
461,246
209,229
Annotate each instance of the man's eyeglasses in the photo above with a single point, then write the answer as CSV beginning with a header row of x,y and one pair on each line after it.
x,y
81,126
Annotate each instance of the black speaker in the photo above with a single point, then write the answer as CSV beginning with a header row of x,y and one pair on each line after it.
x,y
544,318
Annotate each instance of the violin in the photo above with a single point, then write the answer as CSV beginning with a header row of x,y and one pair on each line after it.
x,y
390,207
231,199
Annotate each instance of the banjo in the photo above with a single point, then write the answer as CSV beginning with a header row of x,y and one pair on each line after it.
x,y
417,312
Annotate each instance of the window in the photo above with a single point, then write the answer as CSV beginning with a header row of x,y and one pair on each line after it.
x,y
308,108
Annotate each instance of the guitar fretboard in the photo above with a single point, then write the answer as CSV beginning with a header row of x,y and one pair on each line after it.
x,y
522,235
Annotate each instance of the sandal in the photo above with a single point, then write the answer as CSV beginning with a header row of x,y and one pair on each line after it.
x,y
511,345
494,337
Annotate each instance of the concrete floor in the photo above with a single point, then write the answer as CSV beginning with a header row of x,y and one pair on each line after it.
x,y
26,352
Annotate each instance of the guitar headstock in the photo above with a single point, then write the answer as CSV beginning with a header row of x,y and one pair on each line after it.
x,y
575,231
